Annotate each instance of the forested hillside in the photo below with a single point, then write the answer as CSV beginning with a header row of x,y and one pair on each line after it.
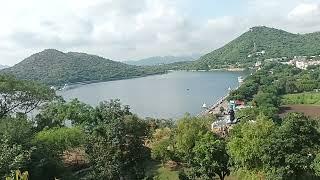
x,y
53,67
261,43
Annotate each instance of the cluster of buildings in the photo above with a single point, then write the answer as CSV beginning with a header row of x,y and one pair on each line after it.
x,y
302,62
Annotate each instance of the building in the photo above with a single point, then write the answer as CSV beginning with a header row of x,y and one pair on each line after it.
x,y
258,64
301,65
305,64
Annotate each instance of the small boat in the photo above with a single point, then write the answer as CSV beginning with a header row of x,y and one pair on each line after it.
x,y
240,79
204,105
188,89
64,87
229,89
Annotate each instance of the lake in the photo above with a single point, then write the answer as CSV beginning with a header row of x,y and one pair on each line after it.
x,y
160,96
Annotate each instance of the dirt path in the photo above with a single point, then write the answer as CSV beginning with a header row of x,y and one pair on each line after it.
x,y
308,110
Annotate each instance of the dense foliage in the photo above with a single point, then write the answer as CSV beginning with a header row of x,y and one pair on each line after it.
x,y
57,68
73,140
275,151
302,98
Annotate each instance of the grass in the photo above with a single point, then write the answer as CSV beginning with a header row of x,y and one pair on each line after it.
x,y
156,170
302,98
165,174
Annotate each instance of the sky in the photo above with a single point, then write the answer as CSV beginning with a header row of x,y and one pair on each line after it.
x,y
133,29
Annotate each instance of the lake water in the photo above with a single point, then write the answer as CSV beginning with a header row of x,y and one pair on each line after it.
x,y
160,96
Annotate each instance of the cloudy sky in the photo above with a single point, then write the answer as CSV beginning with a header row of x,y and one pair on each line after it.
x,y
133,29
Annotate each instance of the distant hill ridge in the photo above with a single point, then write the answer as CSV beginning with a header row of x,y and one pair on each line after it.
x,y
54,67
161,60
272,42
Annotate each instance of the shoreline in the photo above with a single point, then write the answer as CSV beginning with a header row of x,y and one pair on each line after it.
x,y
215,108
100,81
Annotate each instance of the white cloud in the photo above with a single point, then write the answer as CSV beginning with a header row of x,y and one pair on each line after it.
x,y
131,29
303,11
305,15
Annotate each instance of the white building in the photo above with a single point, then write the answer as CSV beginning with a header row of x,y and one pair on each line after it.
x,y
304,64
301,65
258,64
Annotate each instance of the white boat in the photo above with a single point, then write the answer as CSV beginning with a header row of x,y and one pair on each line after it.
x,y
240,79
204,105
64,87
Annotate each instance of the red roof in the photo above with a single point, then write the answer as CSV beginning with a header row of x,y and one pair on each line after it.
x,y
239,102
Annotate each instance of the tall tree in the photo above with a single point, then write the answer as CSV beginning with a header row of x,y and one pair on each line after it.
x,y
210,157
57,113
21,96
13,157
292,147
246,141
187,133
116,147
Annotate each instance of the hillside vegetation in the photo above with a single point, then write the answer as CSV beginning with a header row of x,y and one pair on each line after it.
x,y
302,98
275,43
53,67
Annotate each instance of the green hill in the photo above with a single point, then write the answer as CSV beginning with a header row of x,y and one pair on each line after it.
x,y
53,67
273,42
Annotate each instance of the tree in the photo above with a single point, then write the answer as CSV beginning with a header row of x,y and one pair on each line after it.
x,y
316,164
154,124
22,96
266,100
58,113
115,147
52,115
51,144
210,157
162,145
15,144
292,147
13,157
282,151
17,130
187,133
246,141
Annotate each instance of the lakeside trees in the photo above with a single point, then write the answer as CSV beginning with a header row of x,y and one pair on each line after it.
x,y
116,144
111,137
276,151
21,96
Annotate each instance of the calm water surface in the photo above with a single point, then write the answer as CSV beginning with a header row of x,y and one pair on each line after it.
x,y
161,96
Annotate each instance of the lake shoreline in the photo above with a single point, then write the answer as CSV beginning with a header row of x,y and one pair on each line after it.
x,y
116,79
